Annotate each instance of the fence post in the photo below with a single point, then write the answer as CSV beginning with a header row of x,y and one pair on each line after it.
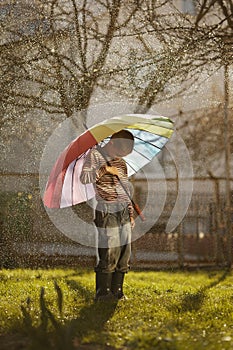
x,y
180,246
227,148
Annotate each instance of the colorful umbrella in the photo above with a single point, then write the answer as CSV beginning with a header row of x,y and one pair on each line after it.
x,y
151,133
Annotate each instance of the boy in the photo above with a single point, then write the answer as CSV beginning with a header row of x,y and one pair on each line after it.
x,y
114,212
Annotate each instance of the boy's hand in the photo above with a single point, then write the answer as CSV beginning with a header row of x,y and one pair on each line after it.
x,y
112,170
132,222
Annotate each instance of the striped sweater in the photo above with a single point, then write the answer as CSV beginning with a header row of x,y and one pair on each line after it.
x,y
107,186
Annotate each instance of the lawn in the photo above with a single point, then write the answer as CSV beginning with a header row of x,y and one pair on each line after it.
x,y
54,309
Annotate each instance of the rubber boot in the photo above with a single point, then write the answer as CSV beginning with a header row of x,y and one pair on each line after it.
x,y
117,285
103,286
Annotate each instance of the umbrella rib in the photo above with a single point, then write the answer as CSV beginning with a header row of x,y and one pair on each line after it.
x,y
161,126
72,182
85,186
135,170
147,142
141,154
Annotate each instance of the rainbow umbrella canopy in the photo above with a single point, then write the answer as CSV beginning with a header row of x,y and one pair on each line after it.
x,y
150,132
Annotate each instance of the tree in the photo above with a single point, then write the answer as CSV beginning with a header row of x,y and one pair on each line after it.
x,y
56,65
53,56
178,51
56,56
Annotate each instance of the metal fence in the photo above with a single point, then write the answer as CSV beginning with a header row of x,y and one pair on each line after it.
x,y
200,238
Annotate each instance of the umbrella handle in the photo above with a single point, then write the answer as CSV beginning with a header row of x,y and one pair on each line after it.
x,y
138,211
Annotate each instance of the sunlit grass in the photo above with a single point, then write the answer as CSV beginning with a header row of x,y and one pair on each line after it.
x,y
165,310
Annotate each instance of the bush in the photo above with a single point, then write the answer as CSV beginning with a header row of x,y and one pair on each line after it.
x,y
16,224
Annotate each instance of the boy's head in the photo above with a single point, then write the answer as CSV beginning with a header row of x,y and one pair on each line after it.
x,y
121,143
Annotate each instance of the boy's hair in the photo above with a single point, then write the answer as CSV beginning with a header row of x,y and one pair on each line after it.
x,y
124,140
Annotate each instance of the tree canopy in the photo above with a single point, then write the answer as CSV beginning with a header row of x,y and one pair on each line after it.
x,y
56,55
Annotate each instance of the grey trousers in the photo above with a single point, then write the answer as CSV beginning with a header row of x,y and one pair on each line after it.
x,y
114,237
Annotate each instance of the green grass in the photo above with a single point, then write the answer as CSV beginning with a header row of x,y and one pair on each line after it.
x,y
54,309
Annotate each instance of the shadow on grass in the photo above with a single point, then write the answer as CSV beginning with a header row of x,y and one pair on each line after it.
x,y
55,334
92,317
194,301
